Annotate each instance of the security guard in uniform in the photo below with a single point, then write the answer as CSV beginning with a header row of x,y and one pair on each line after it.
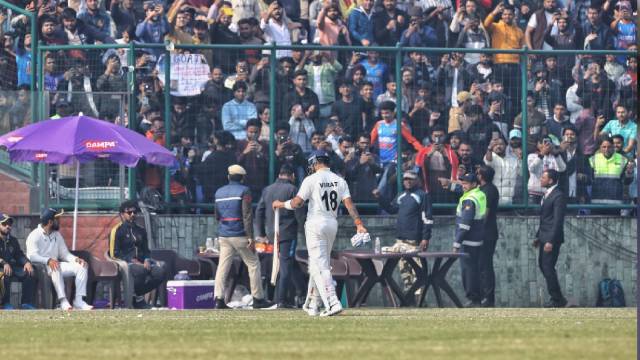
x,y
235,232
470,222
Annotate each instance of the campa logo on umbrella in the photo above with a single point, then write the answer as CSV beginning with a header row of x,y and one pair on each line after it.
x,y
97,145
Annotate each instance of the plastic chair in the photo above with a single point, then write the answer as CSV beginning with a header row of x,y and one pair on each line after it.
x,y
126,279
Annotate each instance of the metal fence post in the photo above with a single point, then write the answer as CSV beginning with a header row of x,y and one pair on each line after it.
x,y
272,112
133,121
167,120
525,129
398,75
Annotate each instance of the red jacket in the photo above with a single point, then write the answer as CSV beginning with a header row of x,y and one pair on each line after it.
x,y
451,155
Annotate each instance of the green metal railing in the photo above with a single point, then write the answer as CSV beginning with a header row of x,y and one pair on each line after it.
x,y
399,53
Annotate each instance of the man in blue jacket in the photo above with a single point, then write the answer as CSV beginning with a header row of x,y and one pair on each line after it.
x,y
235,232
413,222
361,24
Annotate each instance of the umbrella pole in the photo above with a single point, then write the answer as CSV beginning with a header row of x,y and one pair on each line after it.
x,y
75,206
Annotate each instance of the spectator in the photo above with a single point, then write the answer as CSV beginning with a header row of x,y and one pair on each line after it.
x,y
182,120
92,15
264,114
247,36
235,231
288,152
331,28
277,28
321,77
368,105
463,16
376,71
243,9
361,24
78,32
50,32
389,23
301,128
20,112
535,124
237,111
46,246
458,116
302,95
566,38
473,36
414,221
345,150
128,242
181,32
154,27
212,172
543,159
112,81
422,68
422,119
534,35
282,190
383,134
623,28
467,161
558,122
124,15
252,154
622,125
437,161
454,77
349,110
481,131
505,167
15,267
596,91
576,178
390,95
241,74
594,35
362,170
546,91
505,34
23,59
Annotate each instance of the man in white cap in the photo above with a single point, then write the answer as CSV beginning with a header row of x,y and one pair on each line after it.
x,y
235,233
45,245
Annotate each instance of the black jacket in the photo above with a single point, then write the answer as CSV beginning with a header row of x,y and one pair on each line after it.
x,y
128,241
491,221
415,219
10,252
281,190
552,218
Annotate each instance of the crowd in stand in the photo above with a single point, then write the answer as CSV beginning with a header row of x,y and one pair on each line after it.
x,y
458,110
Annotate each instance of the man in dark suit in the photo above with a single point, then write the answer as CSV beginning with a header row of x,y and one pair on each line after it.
x,y
485,176
550,235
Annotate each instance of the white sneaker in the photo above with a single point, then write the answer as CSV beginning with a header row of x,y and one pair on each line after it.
x,y
81,305
64,305
335,309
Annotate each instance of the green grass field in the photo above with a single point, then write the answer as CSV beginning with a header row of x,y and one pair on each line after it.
x,y
355,334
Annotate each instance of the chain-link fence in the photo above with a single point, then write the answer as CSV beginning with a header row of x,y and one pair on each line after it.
x,y
459,109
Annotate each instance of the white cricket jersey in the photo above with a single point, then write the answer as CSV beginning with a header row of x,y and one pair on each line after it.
x,y
325,191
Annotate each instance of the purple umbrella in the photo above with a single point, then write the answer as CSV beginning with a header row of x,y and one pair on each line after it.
x,y
80,139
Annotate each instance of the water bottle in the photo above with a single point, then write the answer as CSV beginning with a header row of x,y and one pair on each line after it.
x,y
209,244
376,245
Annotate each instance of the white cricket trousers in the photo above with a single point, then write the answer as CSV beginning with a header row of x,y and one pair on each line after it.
x,y
68,269
320,236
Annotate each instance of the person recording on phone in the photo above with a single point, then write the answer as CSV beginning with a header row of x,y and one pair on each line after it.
x,y
288,152
252,155
301,128
362,169
154,27
435,161
547,157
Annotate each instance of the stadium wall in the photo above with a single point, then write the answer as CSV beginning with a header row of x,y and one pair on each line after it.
x,y
596,247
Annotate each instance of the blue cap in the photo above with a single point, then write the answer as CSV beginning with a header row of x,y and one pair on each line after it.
x,y
319,153
469,177
50,214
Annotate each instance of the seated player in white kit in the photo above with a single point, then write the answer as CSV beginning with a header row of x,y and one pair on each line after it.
x,y
324,190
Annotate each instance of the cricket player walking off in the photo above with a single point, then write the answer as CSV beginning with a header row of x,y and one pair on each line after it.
x,y
324,190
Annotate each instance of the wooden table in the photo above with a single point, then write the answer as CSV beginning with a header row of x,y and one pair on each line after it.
x,y
371,276
436,277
